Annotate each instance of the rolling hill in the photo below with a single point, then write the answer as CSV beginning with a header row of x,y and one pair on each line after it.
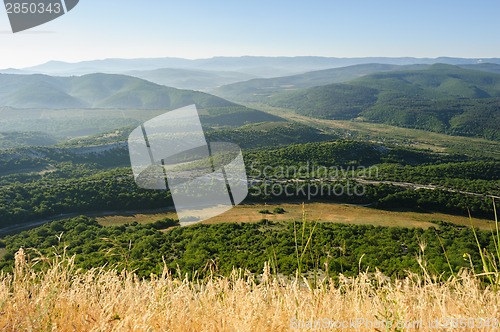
x,y
68,107
190,79
487,67
96,91
270,134
249,136
258,90
440,98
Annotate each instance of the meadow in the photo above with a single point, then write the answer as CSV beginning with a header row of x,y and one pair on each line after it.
x,y
316,211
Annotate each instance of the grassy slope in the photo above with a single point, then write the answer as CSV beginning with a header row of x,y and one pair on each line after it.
x,y
67,300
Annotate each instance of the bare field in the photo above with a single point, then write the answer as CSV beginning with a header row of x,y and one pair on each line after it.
x,y
321,212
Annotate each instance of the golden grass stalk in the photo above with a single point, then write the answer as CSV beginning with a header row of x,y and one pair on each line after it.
x,y
61,298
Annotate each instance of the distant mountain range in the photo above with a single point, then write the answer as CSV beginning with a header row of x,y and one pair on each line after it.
x,y
440,98
254,65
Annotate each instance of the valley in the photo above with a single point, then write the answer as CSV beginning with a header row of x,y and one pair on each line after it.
x,y
274,166
67,164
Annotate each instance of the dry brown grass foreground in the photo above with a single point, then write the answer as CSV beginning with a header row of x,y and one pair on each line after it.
x,y
62,299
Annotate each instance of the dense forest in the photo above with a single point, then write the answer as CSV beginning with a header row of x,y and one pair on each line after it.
x,y
439,98
59,181
288,246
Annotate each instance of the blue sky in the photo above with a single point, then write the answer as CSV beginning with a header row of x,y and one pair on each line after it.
x,y
98,29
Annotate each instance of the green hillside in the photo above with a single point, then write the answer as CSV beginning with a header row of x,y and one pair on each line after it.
x,y
189,78
258,90
261,89
97,91
270,134
252,135
16,139
488,67
71,96
441,98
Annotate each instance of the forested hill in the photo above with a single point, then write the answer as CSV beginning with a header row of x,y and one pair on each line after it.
x,y
97,91
117,93
441,98
259,89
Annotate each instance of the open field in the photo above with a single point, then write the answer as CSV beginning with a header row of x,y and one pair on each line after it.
x,y
322,212
384,133
141,218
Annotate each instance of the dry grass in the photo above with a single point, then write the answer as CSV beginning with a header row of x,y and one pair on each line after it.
x,y
322,212
141,218
62,299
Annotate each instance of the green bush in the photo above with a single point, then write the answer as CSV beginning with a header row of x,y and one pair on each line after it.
x,y
279,210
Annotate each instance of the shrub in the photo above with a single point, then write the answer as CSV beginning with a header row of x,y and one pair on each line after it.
x,y
279,210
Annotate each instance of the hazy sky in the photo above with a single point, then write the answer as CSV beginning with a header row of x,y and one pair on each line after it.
x,y
199,29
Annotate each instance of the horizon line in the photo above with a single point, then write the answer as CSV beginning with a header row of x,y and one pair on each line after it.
x,y
252,56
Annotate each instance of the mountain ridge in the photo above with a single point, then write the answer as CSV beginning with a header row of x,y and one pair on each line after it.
x,y
113,92
96,91
245,64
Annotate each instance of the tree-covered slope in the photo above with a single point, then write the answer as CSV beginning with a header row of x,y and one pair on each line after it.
x,y
105,91
97,91
441,98
262,88
334,248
